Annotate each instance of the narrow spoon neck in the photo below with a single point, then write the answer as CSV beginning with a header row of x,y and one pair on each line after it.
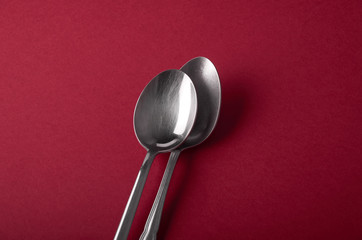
x,y
151,154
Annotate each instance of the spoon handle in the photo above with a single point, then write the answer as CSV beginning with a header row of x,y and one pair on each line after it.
x,y
154,218
134,198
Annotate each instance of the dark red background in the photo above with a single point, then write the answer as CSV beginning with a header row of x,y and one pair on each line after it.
x,y
284,161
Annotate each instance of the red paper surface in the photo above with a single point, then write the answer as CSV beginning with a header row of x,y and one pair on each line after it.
x,y
284,161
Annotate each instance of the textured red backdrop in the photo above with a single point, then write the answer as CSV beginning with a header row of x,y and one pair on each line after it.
x,y
284,162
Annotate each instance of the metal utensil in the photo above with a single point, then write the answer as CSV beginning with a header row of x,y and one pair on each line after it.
x,y
206,80
163,118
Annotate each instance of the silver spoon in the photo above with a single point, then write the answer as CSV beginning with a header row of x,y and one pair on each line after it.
x,y
163,118
206,80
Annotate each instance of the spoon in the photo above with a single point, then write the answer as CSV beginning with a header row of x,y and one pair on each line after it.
x,y
206,80
163,118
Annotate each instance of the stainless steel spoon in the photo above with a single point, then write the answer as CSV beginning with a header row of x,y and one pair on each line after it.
x,y
206,80
163,118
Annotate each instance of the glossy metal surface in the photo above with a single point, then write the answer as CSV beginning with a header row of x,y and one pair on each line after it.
x,y
164,115
207,83
165,111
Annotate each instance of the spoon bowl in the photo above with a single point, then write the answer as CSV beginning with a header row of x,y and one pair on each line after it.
x,y
207,84
165,111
